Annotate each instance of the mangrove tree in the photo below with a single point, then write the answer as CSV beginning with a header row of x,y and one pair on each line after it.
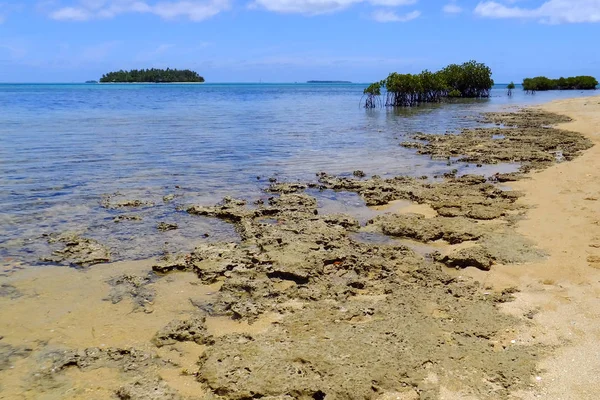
x,y
510,87
469,80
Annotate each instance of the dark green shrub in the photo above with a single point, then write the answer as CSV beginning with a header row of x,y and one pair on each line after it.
x,y
373,93
472,79
510,87
573,83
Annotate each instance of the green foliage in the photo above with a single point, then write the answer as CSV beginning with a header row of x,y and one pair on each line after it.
x,y
510,88
373,93
374,89
542,83
152,76
538,83
470,79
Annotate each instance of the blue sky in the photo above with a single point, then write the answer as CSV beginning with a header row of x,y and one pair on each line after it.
x,y
296,40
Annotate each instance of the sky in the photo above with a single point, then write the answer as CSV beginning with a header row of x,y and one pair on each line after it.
x,y
296,40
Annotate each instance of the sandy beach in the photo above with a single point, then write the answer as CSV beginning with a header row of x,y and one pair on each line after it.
x,y
564,220
379,321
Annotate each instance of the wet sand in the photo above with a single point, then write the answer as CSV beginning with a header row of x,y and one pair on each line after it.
x,y
49,310
55,308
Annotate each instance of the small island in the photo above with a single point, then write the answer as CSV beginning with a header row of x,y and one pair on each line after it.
x,y
91,81
328,82
152,76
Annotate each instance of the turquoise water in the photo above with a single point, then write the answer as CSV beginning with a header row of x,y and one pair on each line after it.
x,y
62,146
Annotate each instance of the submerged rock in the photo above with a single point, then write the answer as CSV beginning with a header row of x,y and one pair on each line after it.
x,y
169,197
9,354
121,218
108,202
134,287
165,226
77,250
9,291
286,188
128,362
125,359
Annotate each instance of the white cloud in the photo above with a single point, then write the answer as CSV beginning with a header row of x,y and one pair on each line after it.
x,y
391,16
551,11
393,3
311,7
194,10
452,8
315,7
71,13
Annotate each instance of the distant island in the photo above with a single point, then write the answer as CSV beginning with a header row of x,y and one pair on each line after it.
x,y
152,76
91,81
328,82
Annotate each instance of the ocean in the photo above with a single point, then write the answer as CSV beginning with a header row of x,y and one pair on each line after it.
x,y
65,146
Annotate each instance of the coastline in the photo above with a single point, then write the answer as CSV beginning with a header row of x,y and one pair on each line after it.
x,y
563,219
564,288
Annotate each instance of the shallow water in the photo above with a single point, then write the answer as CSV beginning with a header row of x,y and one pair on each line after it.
x,y
63,146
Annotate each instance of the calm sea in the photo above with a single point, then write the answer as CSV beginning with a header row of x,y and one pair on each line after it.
x,y
63,146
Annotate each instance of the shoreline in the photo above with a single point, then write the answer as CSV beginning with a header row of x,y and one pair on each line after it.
x,y
563,218
559,296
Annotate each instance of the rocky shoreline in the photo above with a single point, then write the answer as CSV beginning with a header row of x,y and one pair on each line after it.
x,y
351,319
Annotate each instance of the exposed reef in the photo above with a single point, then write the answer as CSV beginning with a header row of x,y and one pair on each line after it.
x,y
341,298
348,319
526,138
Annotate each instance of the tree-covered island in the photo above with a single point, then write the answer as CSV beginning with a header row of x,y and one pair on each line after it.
x,y
152,76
